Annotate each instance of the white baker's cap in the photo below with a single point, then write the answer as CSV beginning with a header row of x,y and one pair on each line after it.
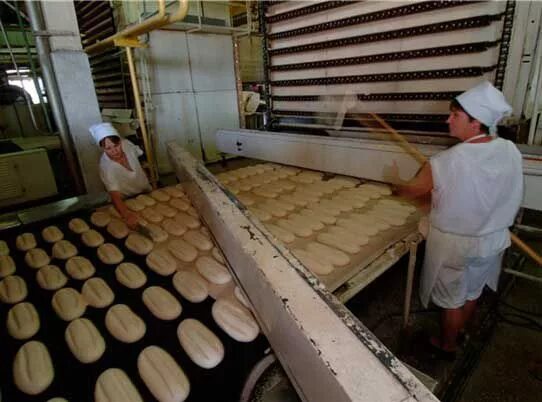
x,y
486,104
101,130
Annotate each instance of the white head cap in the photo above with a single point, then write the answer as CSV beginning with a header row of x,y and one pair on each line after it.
x,y
486,104
101,130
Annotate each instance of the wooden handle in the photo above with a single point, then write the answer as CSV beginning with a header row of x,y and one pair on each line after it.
x,y
526,249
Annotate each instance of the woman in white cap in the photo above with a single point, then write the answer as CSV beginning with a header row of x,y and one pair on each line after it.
x,y
120,170
476,190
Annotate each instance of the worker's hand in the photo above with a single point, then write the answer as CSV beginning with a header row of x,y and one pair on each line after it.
x,y
131,219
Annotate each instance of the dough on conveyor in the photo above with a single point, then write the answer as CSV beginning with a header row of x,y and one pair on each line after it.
x,y
300,229
318,267
50,277
160,195
262,215
162,375
13,289
130,275
348,236
150,214
162,262
68,304
319,215
111,210
198,240
97,293
246,199
294,199
80,268
108,253
146,200
357,227
7,266
36,258
369,220
25,242
84,340
139,244
212,270
174,227
235,320
161,303
193,213
4,249
166,210
273,210
191,286
78,226
263,192
321,252
179,204
328,206
118,229
238,293
173,191
200,343
313,224
187,220
124,324
282,234
217,254
338,243
92,238
23,321
52,234
33,369
113,385
158,234
392,219
183,250
135,205
64,249
100,219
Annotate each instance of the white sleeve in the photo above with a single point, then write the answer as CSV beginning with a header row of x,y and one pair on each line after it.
x,y
108,179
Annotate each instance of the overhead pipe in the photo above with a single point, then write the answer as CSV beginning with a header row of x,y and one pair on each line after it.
x,y
53,93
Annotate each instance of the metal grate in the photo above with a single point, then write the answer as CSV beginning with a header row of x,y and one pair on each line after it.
x,y
10,183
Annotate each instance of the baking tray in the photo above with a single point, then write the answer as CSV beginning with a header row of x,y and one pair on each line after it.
x,y
75,381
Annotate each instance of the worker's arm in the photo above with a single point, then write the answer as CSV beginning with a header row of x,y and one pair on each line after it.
x,y
420,185
129,216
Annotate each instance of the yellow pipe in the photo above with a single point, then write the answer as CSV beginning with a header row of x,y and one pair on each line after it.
x,y
141,118
133,31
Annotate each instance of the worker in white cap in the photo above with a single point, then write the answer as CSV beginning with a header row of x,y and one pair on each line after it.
x,y
476,188
120,170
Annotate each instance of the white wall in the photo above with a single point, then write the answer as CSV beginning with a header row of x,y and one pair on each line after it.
x,y
193,91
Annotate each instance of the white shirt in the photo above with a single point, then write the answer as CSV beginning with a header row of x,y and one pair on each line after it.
x,y
117,178
478,188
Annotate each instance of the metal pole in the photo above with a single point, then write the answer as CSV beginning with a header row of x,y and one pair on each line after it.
x,y
410,281
53,94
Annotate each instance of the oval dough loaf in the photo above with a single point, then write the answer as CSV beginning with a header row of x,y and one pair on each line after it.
x,y
130,275
300,229
318,215
166,210
173,191
118,229
4,249
321,252
13,289
33,369
92,238
7,266
162,304
235,320
293,199
162,375
179,204
348,236
25,241
273,210
134,205
160,195
78,225
239,295
100,219
191,286
36,258
313,224
174,227
68,304
23,321
370,221
212,270
183,250
84,340
200,344
108,253
158,234
80,268
262,215
52,234
113,385
387,217
50,277
152,215
282,234
319,267
146,200
162,262
355,227
97,293
139,244
338,243
187,220
217,255
64,249
198,240
124,324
